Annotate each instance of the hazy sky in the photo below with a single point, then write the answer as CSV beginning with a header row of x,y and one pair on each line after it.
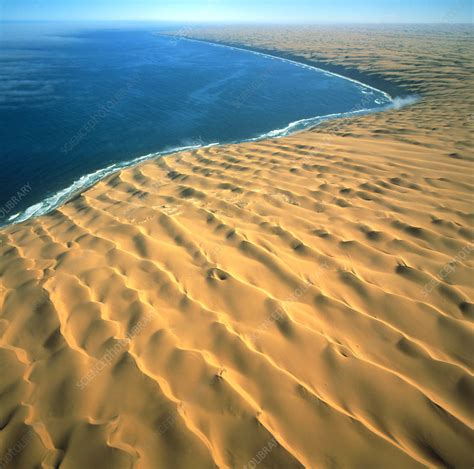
x,y
412,11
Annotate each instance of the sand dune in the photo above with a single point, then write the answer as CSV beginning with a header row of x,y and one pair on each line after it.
x,y
298,302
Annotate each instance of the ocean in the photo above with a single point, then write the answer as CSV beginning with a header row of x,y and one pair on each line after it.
x,y
78,102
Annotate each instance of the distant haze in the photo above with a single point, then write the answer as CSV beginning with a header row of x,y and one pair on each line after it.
x,y
271,11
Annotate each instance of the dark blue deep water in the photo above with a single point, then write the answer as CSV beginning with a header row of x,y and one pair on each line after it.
x,y
78,102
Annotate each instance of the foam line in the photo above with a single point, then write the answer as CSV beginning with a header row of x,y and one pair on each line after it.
x,y
294,62
84,182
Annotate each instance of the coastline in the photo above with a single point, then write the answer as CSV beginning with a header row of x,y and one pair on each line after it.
x,y
88,180
82,184
375,81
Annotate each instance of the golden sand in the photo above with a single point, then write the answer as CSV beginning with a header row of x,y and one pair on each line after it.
x,y
299,302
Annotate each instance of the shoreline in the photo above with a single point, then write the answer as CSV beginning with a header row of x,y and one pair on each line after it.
x,y
87,181
374,81
287,58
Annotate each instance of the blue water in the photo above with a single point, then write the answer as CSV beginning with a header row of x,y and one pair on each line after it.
x,y
78,102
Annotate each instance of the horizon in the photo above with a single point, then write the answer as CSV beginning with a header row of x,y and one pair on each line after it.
x,y
241,11
238,23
